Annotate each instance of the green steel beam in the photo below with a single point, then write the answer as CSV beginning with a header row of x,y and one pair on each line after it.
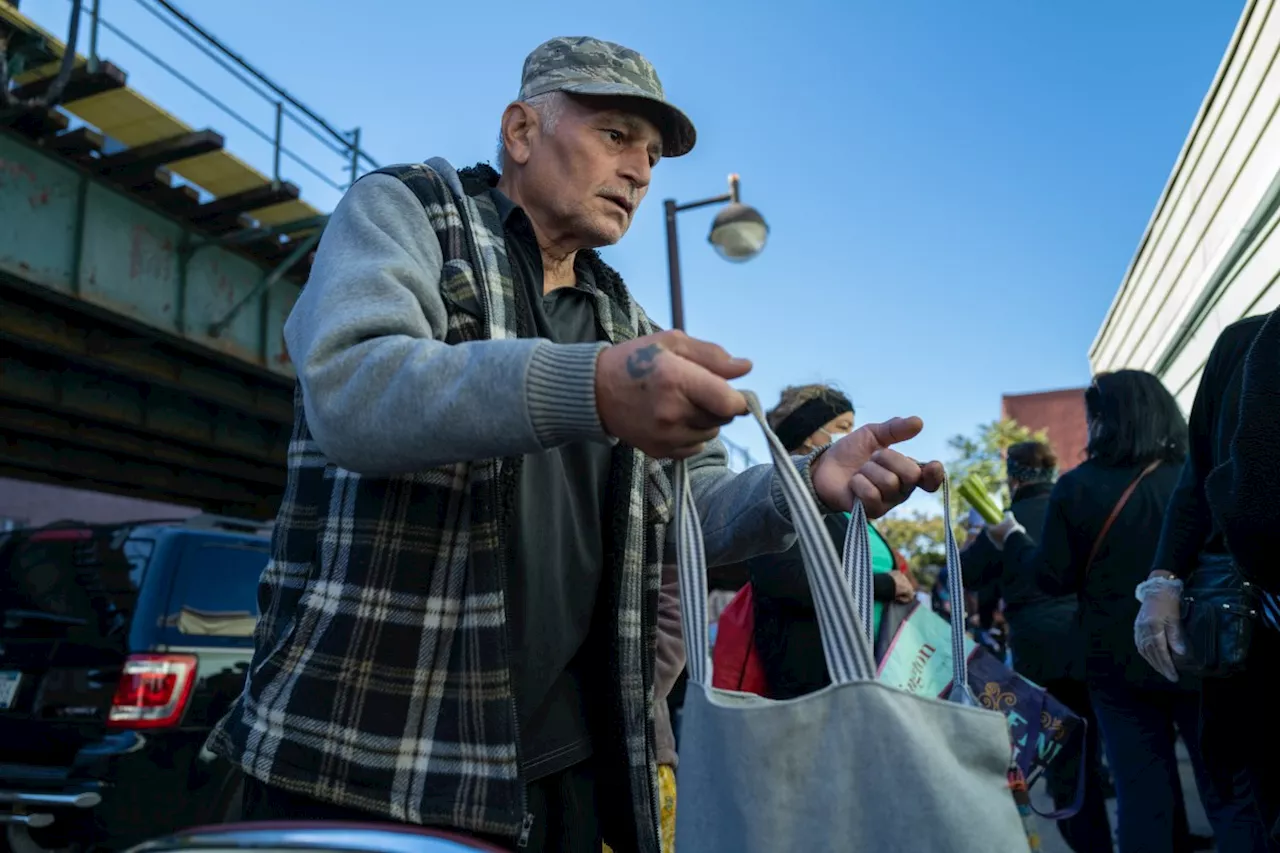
x,y
128,258
299,252
240,477
109,376
212,439
63,460
87,340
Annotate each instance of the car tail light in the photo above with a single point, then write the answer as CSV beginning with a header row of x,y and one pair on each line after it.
x,y
153,691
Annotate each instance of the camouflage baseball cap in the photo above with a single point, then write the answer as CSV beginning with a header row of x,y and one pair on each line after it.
x,y
581,65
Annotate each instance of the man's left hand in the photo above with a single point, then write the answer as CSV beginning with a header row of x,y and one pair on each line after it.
x,y
864,466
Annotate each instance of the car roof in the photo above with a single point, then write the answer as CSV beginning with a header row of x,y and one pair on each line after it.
x,y
204,525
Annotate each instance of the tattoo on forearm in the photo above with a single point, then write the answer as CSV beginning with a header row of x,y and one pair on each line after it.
x,y
642,362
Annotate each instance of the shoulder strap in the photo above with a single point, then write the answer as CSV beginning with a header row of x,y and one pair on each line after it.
x,y
1115,512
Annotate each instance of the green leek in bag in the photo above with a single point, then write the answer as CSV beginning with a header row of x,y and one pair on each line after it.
x,y
974,491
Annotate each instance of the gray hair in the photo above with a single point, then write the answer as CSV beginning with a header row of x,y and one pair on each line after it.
x,y
549,106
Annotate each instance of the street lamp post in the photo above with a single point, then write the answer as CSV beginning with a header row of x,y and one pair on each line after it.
x,y
738,233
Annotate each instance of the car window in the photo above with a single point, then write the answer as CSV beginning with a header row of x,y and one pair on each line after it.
x,y
77,573
137,551
217,590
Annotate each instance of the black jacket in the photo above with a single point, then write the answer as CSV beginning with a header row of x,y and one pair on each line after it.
x,y
786,624
1242,488
983,565
1078,507
1044,630
1190,527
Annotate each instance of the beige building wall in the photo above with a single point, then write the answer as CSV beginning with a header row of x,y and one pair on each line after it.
x,y
1211,252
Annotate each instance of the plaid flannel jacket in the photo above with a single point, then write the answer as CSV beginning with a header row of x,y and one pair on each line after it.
x,y
381,679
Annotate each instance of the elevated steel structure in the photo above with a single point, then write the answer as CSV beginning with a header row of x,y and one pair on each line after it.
x,y
145,274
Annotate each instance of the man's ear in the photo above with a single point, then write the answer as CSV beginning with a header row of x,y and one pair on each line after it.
x,y
519,123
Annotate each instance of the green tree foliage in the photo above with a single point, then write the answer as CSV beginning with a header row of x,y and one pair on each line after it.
x,y
983,454
919,536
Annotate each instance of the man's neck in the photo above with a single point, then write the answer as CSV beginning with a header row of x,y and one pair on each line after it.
x,y
557,262
557,269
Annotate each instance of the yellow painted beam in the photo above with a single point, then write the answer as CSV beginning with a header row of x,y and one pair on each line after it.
x,y
130,118
19,21
286,212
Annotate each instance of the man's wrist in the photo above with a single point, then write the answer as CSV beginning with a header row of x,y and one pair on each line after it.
x,y
561,393
807,468
1161,573
805,465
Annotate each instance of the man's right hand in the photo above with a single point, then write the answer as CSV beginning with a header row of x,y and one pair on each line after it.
x,y
667,394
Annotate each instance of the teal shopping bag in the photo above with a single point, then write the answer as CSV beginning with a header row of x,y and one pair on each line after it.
x,y
918,659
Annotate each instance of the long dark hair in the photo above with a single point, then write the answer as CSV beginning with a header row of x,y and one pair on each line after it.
x,y
1133,420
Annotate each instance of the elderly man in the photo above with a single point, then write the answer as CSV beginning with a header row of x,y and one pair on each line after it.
x,y
458,621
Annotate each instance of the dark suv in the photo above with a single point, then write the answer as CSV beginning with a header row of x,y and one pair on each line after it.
x,y
120,647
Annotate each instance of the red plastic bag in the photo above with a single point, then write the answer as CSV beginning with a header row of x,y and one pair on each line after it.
x,y
735,664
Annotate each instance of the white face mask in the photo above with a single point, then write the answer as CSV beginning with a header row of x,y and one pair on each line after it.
x,y
832,437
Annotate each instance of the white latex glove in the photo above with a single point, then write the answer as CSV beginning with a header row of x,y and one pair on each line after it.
x,y
1157,632
1004,530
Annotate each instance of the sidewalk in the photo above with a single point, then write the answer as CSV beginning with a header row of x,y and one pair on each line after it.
x,y
1052,839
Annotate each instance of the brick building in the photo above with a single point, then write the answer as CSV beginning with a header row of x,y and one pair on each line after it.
x,y
1060,414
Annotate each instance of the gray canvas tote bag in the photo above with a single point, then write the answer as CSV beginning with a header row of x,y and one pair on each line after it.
x,y
857,766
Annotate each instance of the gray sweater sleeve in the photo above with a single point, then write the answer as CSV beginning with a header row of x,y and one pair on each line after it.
x,y
743,514
383,393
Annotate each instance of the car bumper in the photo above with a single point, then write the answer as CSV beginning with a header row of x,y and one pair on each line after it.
x,y
121,791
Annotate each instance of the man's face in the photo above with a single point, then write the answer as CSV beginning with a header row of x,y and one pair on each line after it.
x,y
588,177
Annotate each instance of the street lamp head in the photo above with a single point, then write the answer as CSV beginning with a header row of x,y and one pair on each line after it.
x,y
739,232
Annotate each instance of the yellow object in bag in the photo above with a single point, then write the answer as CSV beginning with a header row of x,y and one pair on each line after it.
x,y
667,802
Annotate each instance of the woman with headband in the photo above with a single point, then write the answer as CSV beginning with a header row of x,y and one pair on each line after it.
x,y
786,628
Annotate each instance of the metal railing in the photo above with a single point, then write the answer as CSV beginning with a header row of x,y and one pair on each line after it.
x,y
288,109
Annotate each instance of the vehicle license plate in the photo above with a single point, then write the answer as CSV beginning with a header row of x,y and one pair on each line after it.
x,y
9,682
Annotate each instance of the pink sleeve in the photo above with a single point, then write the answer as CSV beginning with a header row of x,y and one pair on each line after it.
x,y
670,660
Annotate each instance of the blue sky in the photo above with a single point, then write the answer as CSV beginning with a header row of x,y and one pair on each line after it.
x,y
954,189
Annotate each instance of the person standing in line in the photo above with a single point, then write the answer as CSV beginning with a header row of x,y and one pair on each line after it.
x,y
806,419
1242,769
1045,639
1100,534
1241,489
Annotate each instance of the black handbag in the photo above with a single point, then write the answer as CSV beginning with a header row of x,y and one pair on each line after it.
x,y
1220,613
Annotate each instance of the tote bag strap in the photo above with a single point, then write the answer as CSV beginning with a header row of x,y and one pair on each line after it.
x,y
858,571
844,641
857,566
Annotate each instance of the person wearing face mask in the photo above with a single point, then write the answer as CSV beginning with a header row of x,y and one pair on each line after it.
x,y
1097,539
1043,626
1045,638
806,419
